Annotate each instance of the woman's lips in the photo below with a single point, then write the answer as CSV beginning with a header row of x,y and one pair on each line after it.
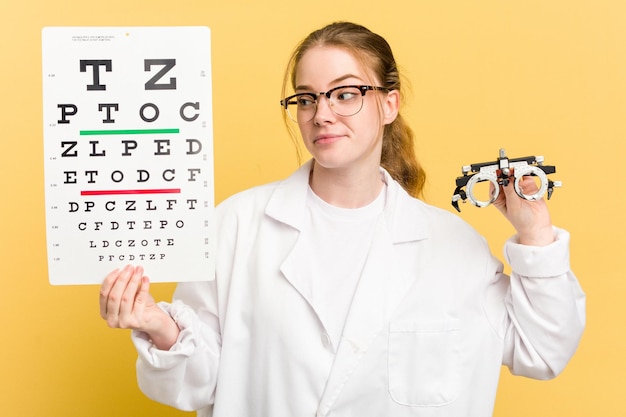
x,y
326,138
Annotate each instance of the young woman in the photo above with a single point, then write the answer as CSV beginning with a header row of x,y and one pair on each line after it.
x,y
337,292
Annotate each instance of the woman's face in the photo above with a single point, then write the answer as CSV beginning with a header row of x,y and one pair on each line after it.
x,y
340,142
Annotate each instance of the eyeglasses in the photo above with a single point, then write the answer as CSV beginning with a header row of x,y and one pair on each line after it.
x,y
346,100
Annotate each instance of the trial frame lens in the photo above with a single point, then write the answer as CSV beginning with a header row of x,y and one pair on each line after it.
x,y
345,101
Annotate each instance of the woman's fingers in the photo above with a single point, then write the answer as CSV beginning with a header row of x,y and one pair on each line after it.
x,y
112,294
105,289
143,296
128,298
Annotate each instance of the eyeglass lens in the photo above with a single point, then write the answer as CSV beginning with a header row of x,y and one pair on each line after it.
x,y
343,101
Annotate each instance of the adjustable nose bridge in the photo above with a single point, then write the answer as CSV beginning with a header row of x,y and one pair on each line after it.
x,y
328,103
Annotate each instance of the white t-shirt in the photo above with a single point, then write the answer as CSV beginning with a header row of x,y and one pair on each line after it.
x,y
338,240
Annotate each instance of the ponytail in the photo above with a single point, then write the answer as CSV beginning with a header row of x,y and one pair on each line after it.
x,y
398,157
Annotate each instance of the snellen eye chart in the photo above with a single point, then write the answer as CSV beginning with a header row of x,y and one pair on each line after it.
x,y
128,152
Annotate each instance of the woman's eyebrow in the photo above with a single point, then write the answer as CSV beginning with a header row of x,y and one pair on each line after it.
x,y
336,80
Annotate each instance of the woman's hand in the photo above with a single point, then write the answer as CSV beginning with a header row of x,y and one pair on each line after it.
x,y
531,219
126,303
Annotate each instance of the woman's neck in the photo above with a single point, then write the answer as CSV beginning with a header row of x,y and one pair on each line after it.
x,y
346,188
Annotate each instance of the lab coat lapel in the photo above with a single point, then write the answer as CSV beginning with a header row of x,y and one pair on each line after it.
x,y
384,282
385,278
288,206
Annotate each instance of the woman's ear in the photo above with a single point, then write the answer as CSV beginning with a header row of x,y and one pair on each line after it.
x,y
391,106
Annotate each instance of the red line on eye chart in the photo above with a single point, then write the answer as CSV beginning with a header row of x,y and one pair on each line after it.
x,y
121,192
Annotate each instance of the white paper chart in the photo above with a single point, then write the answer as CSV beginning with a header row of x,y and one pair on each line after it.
x,y
128,152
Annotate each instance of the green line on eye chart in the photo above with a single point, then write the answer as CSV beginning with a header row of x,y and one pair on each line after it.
x,y
128,132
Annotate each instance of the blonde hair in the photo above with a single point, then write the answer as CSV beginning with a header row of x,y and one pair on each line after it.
x,y
398,153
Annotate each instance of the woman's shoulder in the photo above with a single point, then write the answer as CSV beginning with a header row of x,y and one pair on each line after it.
x,y
248,198
445,223
282,192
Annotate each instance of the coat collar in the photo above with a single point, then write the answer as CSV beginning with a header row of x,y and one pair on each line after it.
x,y
385,278
404,215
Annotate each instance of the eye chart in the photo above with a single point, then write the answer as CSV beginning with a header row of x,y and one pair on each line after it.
x,y
128,152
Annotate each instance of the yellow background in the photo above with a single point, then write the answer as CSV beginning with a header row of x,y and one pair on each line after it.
x,y
544,77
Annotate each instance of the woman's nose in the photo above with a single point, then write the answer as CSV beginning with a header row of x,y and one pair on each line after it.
x,y
323,109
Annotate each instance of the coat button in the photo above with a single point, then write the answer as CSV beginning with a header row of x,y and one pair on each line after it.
x,y
326,342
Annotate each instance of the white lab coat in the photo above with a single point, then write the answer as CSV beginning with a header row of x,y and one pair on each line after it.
x,y
431,323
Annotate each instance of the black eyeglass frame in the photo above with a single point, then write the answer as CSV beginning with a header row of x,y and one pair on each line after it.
x,y
363,88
